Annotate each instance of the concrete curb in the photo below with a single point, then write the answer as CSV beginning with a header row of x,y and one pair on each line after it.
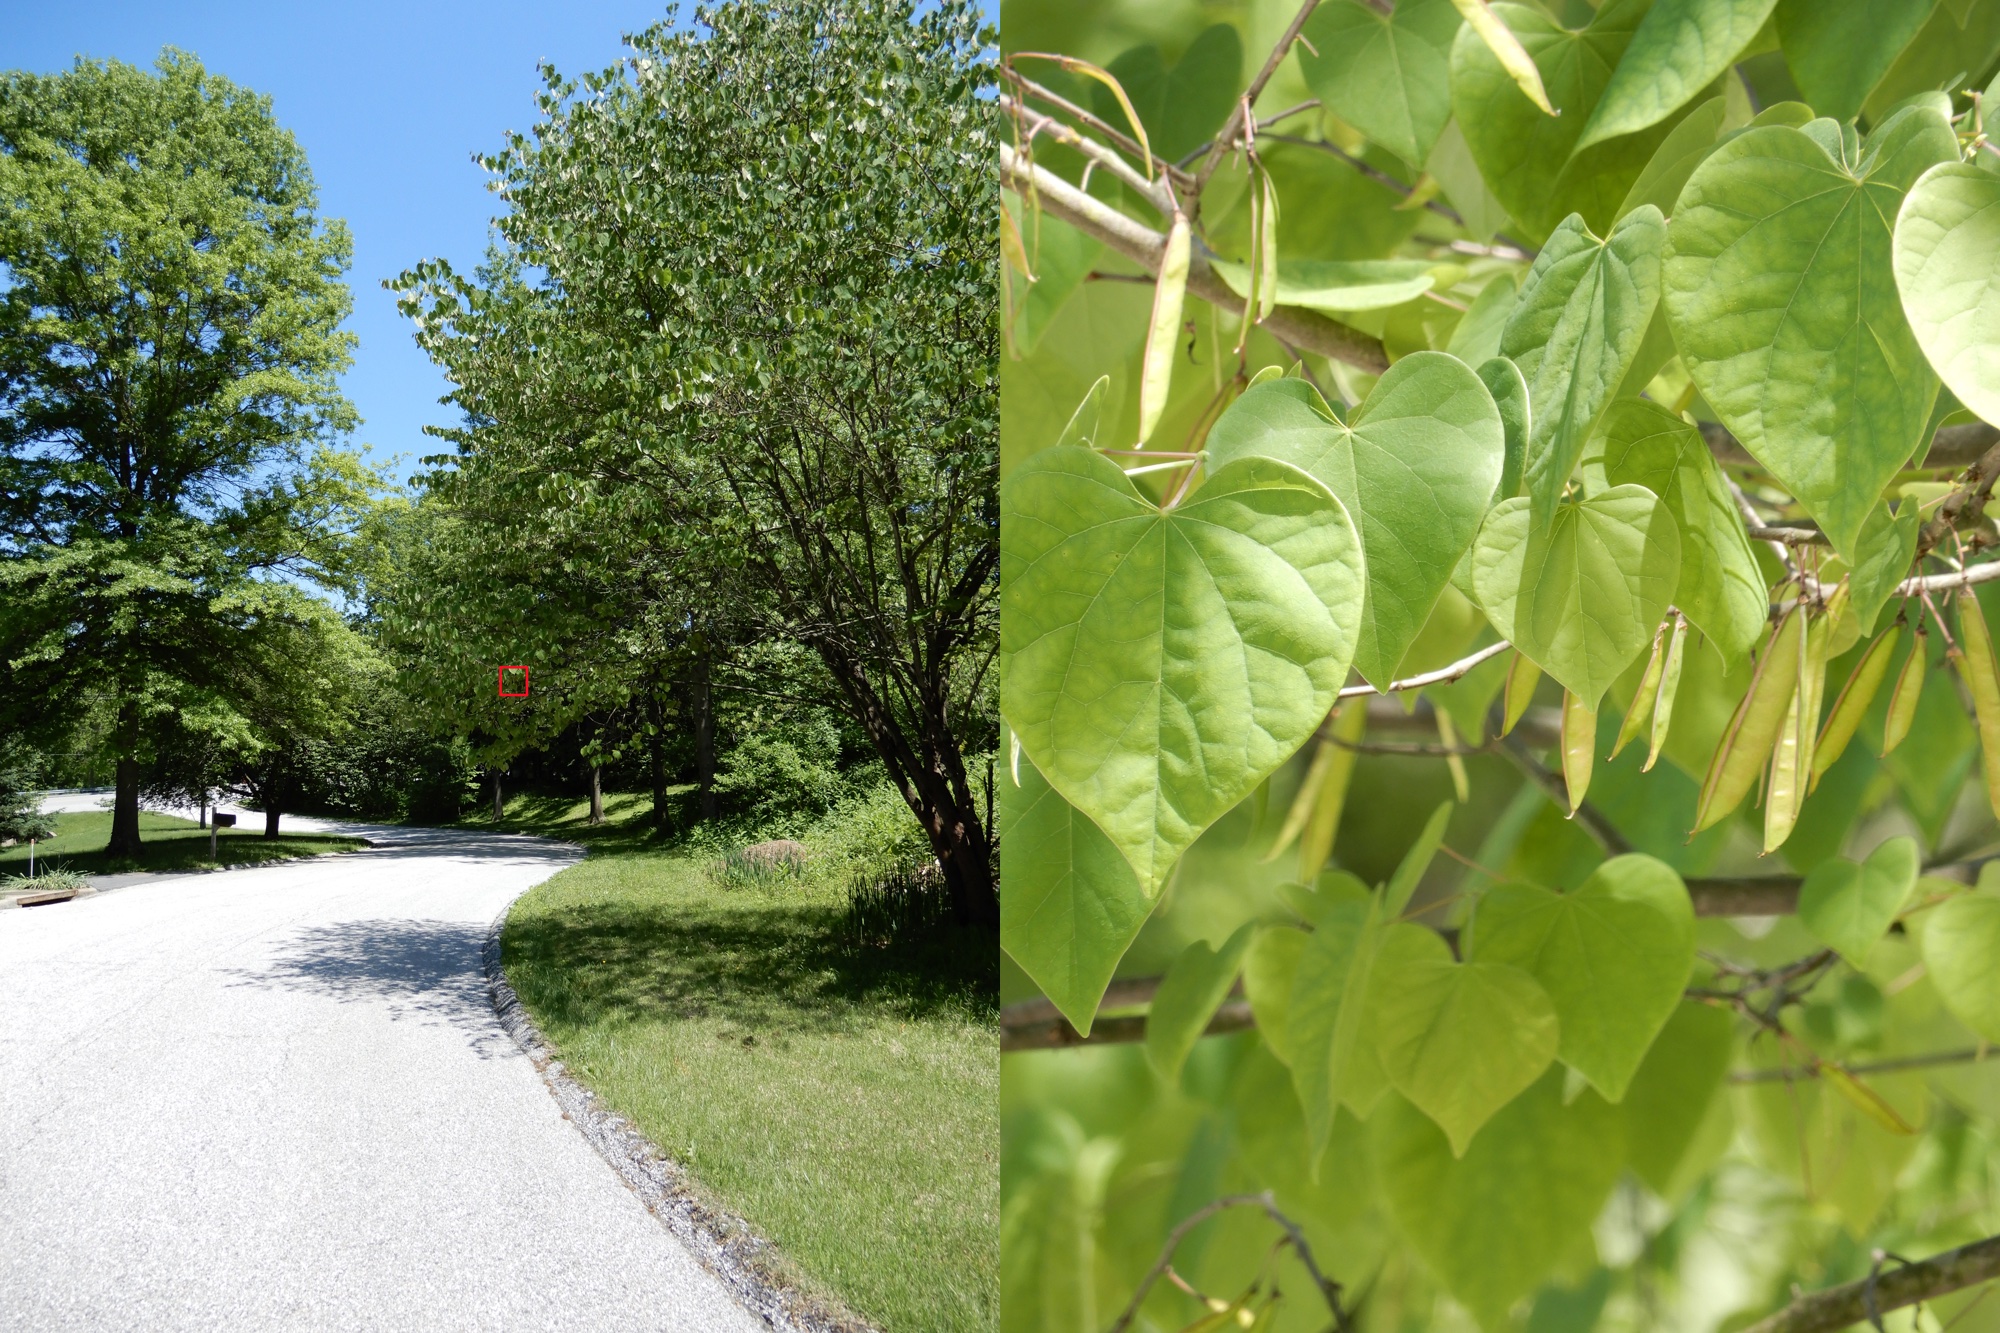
x,y
725,1245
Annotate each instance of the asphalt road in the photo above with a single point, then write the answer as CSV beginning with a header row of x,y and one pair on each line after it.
x,y
279,1099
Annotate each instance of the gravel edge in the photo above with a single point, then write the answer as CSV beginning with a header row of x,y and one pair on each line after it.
x,y
722,1243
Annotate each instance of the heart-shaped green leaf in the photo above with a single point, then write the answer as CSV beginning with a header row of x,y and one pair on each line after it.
x,y
1614,956
1494,1221
1582,599
1388,75
1675,160
1503,379
1882,556
1948,269
1193,988
1721,589
1961,946
1668,1098
1782,302
1415,463
1158,665
1678,50
1072,905
1339,285
1575,332
1849,907
1460,1040
1326,1005
1183,105
1838,53
1525,155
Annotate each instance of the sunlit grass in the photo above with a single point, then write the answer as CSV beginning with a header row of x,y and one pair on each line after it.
x,y
169,843
844,1101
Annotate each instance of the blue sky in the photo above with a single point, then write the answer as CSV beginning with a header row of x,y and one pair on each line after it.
x,y
389,100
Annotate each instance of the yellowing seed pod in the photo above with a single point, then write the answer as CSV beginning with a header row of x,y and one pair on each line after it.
x,y
1977,668
1791,756
1461,781
1267,245
1579,746
1812,684
1909,688
1306,799
1169,295
1646,695
1753,728
1316,842
1670,686
1522,677
1852,704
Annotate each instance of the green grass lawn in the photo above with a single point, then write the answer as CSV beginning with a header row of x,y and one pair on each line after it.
x,y
844,1101
169,843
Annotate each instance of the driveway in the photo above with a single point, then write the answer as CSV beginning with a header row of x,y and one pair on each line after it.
x,y
279,1099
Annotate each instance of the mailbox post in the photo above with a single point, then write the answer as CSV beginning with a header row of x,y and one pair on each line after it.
x,y
219,820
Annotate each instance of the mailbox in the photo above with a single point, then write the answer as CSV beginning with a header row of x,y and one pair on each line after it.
x,y
224,821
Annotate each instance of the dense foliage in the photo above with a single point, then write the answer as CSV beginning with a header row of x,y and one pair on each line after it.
x,y
169,345
1607,393
729,382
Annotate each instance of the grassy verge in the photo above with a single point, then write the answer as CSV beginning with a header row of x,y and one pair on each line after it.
x,y
843,1100
170,844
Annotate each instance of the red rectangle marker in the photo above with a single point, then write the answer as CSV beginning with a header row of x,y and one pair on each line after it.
x,y
506,693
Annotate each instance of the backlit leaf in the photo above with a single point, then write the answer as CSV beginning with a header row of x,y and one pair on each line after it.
x,y
1947,256
1416,463
1157,665
1786,314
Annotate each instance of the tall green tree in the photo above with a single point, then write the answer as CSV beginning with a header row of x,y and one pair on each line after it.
x,y
169,347
746,296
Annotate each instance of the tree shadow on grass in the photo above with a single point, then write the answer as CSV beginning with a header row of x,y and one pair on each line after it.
x,y
426,972
770,970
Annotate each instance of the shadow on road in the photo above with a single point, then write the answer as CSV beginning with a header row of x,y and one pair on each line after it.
x,y
425,971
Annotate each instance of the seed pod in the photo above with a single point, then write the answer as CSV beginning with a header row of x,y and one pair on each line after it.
x,y
1977,668
1855,697
1579,746
1522,677
1791,759
1645,696
1267,281
1461,782
1865,1099
1753,728
1670,686
1306,799
1909,688
1818,647
1168,297
1316,842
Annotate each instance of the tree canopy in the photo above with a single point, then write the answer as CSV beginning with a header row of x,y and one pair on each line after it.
x,y
169,414
729,380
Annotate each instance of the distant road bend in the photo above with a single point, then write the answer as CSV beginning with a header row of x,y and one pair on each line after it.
x,y
279,1099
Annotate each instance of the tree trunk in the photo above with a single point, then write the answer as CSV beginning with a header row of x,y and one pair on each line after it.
x,y
656,757
499,805
704,734
125,811
596,794
270,819
934,785
204,811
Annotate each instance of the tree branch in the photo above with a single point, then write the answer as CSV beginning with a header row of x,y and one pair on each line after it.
x,y
1144,246
1878,1293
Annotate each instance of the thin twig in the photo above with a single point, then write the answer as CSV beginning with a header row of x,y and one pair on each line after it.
x,y
1328,1288
1839,1307
1144,246
1376,174
1970,1053
1249,98
1444,675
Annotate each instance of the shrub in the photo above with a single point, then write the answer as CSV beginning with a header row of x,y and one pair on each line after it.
x,y
49,881
907,904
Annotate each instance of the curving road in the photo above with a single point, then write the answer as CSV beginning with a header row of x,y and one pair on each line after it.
x,y
279,1099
